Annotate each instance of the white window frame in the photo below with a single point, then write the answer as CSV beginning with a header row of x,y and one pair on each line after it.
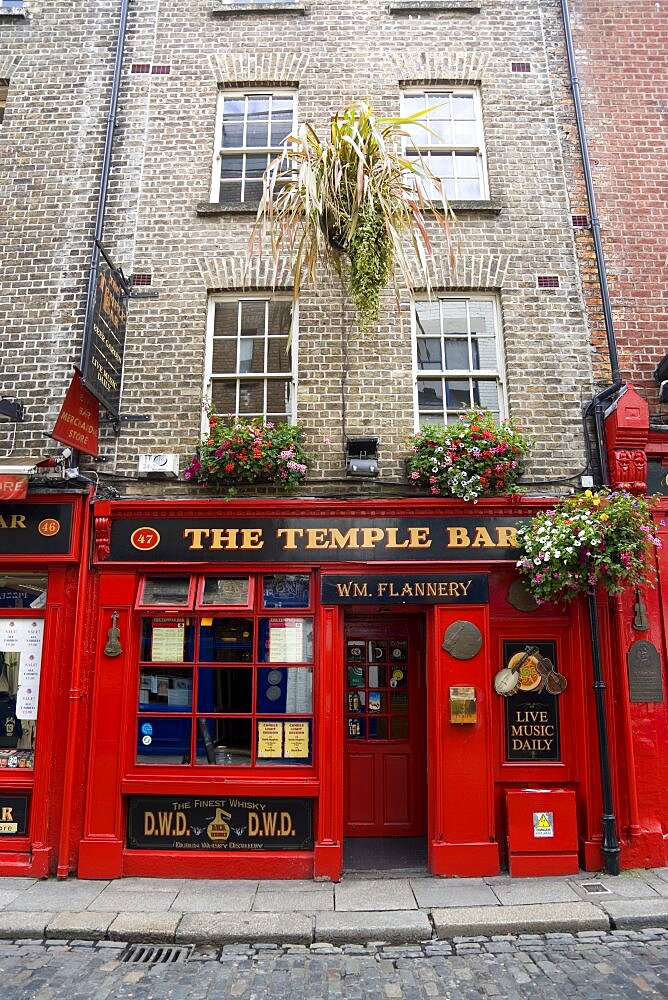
x,y
218,151
210,377
497,375
429,143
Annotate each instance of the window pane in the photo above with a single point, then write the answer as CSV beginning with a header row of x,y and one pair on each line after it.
x,y
377,728
469,189
231,166
428,318
463,108
224,690
170,688
456,354
225,319
278,355
224,742
285,690
285,640
458,395
251,355
280,313
429,354
226,640
171,591
229,191
23,590
224,396
430,395
278,398
163,740
233,133
286,590
464,134
251,398
224,356
226,590
488,397
467,165
399,727
167,640
284,742
454,316
252,318
428,418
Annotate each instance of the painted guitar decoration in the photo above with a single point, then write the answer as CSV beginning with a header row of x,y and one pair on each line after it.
x,y
113,646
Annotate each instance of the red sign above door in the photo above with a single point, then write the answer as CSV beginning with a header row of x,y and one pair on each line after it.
x,y
79,418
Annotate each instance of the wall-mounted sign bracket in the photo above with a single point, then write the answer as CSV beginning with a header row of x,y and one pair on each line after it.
x,y
124,418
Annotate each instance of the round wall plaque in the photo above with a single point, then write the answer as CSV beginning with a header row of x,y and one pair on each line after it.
x,y
462,640
521,597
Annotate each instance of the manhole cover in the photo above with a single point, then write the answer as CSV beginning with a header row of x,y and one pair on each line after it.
x,y
594,887
152,954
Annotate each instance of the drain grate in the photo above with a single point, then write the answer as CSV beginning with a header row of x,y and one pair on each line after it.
x,y
594,887
152,954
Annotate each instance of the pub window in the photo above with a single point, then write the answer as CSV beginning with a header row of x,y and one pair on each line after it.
x,y
531,713
228,681
22,596
458,359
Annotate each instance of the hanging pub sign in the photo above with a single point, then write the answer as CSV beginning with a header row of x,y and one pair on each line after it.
x,y
168,823
78,422
313,539
13,486
433,588
102,366
531,713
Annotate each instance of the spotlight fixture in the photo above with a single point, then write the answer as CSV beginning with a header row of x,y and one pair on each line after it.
x,y
11,411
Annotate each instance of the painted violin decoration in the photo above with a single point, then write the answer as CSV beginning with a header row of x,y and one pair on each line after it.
x,y
113,646
529,671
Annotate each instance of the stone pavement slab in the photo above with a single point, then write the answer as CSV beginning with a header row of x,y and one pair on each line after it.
x,y
293,885
136,884
87,926
291,902
661,873
7,895
279,928
396,927
115,900
24,924
534,890
204,899
630,913
619,886
430,892
69,894
147,927
532,918
374,894
10,882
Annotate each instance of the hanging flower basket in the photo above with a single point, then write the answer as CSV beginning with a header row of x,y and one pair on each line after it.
x,y
586,541
473,458
246,452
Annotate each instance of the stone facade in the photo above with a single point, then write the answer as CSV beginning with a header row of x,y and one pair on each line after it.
x,y
58,60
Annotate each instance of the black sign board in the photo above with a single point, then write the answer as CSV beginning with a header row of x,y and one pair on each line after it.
x,y
657,477
102,366
531,716
644,664
13,815
390,589
313,539
35,529
167,823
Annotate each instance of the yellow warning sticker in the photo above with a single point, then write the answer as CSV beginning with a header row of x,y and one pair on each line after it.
x,y
543,824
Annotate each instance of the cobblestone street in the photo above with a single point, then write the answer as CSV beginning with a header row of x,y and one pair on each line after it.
x,y
590,965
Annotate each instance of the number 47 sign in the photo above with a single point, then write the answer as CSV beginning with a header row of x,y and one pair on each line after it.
x,y
13,486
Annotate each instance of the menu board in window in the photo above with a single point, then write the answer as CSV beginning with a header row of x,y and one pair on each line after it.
x,y
286,640
168,640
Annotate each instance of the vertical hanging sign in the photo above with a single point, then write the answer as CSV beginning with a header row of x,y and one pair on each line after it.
x,y
102,365
79,418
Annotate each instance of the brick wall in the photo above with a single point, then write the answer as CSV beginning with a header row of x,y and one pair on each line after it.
x,y
622,56
59,65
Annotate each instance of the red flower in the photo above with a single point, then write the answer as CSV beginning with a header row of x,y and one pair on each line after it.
x,y
229,467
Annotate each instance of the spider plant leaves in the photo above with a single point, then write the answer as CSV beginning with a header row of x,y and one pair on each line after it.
x,y
355,201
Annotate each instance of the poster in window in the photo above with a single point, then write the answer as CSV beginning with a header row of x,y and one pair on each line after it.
x,y
168,640
296,740
286,640
269,739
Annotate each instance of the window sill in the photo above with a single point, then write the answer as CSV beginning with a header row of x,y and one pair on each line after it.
x,y
431,6
222,9
478,207
227,207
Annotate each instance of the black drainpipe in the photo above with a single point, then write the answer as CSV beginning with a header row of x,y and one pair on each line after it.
x,y
610,843
104,184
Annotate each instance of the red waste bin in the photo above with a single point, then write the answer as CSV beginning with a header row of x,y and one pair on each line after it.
x,y
542,831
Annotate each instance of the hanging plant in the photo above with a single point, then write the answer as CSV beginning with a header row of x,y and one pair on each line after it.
x,y
586,541
244,452
355,201
473,458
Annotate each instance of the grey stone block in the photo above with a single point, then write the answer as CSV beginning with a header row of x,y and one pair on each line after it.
x,y
136,884
144,927
55,895
374,894
24,924
435,892
513,919
535,890
112,900
630,913
394,927
193,899
279,928
87,925
292,885
288,902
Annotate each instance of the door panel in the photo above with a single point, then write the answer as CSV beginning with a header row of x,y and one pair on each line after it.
x,y
384,711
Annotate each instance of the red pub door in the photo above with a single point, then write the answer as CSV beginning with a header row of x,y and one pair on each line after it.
x,y
384,712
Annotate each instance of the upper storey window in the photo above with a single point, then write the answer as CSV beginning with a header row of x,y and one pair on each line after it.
x,y
250,129
449,138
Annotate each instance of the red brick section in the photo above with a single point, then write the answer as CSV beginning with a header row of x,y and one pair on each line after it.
x,y
622,56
